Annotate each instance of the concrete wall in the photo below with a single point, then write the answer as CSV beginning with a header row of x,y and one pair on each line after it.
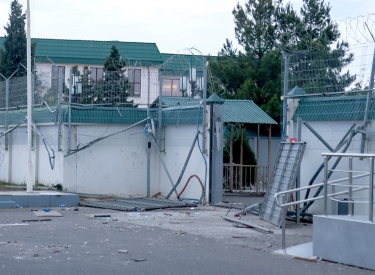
x,y
178,142
332,132
114,166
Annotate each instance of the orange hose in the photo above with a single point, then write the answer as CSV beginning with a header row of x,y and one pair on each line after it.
x,y
187,182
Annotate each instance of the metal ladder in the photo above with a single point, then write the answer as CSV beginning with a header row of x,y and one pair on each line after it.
x,y
283,177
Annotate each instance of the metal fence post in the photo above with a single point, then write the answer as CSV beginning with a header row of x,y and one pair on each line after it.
x,y
371,190
285,92
284,209
325,185
350,186
59,109
70,110
6,111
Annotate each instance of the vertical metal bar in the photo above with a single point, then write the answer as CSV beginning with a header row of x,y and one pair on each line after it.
x,y
269,153
285,91
30,166
70,111
284,209
371,190
59,109
160,106
350,205
230,159
148,138
241,161
6,111
325,185
298,179
204,122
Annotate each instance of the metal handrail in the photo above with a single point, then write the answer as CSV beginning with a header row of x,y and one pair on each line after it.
x,y
283,193
284,205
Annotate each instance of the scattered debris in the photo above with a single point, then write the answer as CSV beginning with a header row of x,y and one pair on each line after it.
x,y
123,251
313,260
180,232
239,237
102,216
251,225
178,222
41,220
76,208
36,255
47,214
268,244
138,260
167,214
156,195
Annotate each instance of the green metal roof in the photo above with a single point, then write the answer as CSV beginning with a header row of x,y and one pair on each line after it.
x,y
296,91
245,111
94,52
214,99
343,108
235,111
178,111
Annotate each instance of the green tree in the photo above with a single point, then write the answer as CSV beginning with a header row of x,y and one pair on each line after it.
x,y
14,51
115,83
265,29
318,66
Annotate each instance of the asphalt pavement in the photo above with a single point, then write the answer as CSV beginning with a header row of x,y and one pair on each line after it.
x,y
180,241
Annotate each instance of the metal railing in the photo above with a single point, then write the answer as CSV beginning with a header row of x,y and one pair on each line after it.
x,y
351,187
245,178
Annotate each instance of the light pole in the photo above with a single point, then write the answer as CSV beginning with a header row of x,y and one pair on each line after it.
x,y
77,87
192,79
183,85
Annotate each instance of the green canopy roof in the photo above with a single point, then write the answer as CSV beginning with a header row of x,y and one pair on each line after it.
x,y
342,108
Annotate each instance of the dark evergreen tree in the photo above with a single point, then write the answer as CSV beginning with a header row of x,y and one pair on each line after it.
x,y
14,51
115,83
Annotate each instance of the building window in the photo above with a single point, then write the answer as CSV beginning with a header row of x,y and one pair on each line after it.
x,y
171,87
96,74
55,76
134,78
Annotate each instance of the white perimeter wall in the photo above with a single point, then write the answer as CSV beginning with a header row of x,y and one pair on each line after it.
x,y
332,132
114,166
178,141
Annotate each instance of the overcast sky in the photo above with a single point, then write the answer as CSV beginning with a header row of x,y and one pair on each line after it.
x,y
173,25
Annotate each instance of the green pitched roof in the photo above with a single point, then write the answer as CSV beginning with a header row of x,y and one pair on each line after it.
x,y
94,52
245,111
343,108
296,91
214,99
235,111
